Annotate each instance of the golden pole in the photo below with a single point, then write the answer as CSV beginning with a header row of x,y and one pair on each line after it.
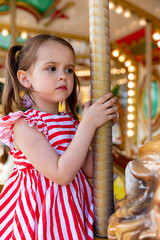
x,y
149,74
13,21
102,142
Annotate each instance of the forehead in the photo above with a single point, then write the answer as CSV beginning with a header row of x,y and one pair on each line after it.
x,y
52,50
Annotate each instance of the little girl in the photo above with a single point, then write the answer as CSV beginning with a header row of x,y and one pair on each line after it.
x,y
48,196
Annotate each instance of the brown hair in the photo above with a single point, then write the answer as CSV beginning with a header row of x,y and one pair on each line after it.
x,y
22,57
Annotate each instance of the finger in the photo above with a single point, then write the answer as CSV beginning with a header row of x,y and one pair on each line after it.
x,y
111,110
87,104
105,98
110,103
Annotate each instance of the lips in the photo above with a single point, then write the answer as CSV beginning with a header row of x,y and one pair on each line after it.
x,y
62,87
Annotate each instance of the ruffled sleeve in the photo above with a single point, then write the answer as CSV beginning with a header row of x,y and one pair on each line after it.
x,y
7,124
6,127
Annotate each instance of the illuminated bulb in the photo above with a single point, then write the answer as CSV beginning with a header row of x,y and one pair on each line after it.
x,y
130,109
130,116
122,58
130,124
24,35
130,101
158,44
115,53
4,32
142,22
127,13
123,70
131,69
130,93
119,9
130,84
127,63
130,133
130,76
156,36
111,5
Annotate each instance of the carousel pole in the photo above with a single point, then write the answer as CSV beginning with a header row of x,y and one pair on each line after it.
x,y
149,74
102,142
13,21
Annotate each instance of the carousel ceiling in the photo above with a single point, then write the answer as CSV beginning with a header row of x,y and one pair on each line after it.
x,y
70,19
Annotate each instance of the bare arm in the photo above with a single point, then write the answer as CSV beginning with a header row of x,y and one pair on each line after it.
x,y
62,169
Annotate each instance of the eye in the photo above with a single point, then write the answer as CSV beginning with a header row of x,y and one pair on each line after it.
x,y
51,69
69,70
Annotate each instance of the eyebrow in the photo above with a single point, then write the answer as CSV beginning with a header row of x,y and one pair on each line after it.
x,y
70,65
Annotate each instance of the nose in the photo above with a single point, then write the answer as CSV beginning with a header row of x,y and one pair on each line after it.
x,y
62,75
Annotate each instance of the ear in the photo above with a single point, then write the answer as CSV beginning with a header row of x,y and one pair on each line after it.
x,y
24,79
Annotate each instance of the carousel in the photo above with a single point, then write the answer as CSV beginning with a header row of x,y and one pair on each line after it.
x,y
117,46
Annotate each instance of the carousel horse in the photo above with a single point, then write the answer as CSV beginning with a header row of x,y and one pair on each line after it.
x,y
137,216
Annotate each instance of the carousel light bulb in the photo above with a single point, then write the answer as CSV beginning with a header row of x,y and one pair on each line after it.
x,y
123,70
130,109
131,76
115,53
156,36
122,58
127,63
158,44
111,5
127,13
130,100
119,9
130,116
131,68
142,22
131,84
24,35
130,133
131,93
4,32
130,124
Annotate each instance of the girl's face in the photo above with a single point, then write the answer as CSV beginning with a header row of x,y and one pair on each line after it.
x,y
52,76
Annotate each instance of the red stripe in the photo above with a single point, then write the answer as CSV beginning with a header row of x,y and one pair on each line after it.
x,y
59,133
51,215
44,220
61,142
50,127
60,233
65,216
76,223
20,230
25,217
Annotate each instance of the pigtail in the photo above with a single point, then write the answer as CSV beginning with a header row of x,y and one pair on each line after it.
x,y
11,100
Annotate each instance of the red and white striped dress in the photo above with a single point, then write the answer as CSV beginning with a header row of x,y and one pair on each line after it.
x,y
34,207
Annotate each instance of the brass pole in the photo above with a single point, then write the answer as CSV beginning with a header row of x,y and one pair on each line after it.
x,y
149,74
102,142
13,21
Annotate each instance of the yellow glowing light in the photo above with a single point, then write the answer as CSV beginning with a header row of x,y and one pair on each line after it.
x,y
24,35
119,9
131,84
131,93
130,133
158,44
122,58
4,32
142,22
111,5
130,116
130,101
156,36
127,63
115,53
130,109
131,76
131,69
130,124
127,13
